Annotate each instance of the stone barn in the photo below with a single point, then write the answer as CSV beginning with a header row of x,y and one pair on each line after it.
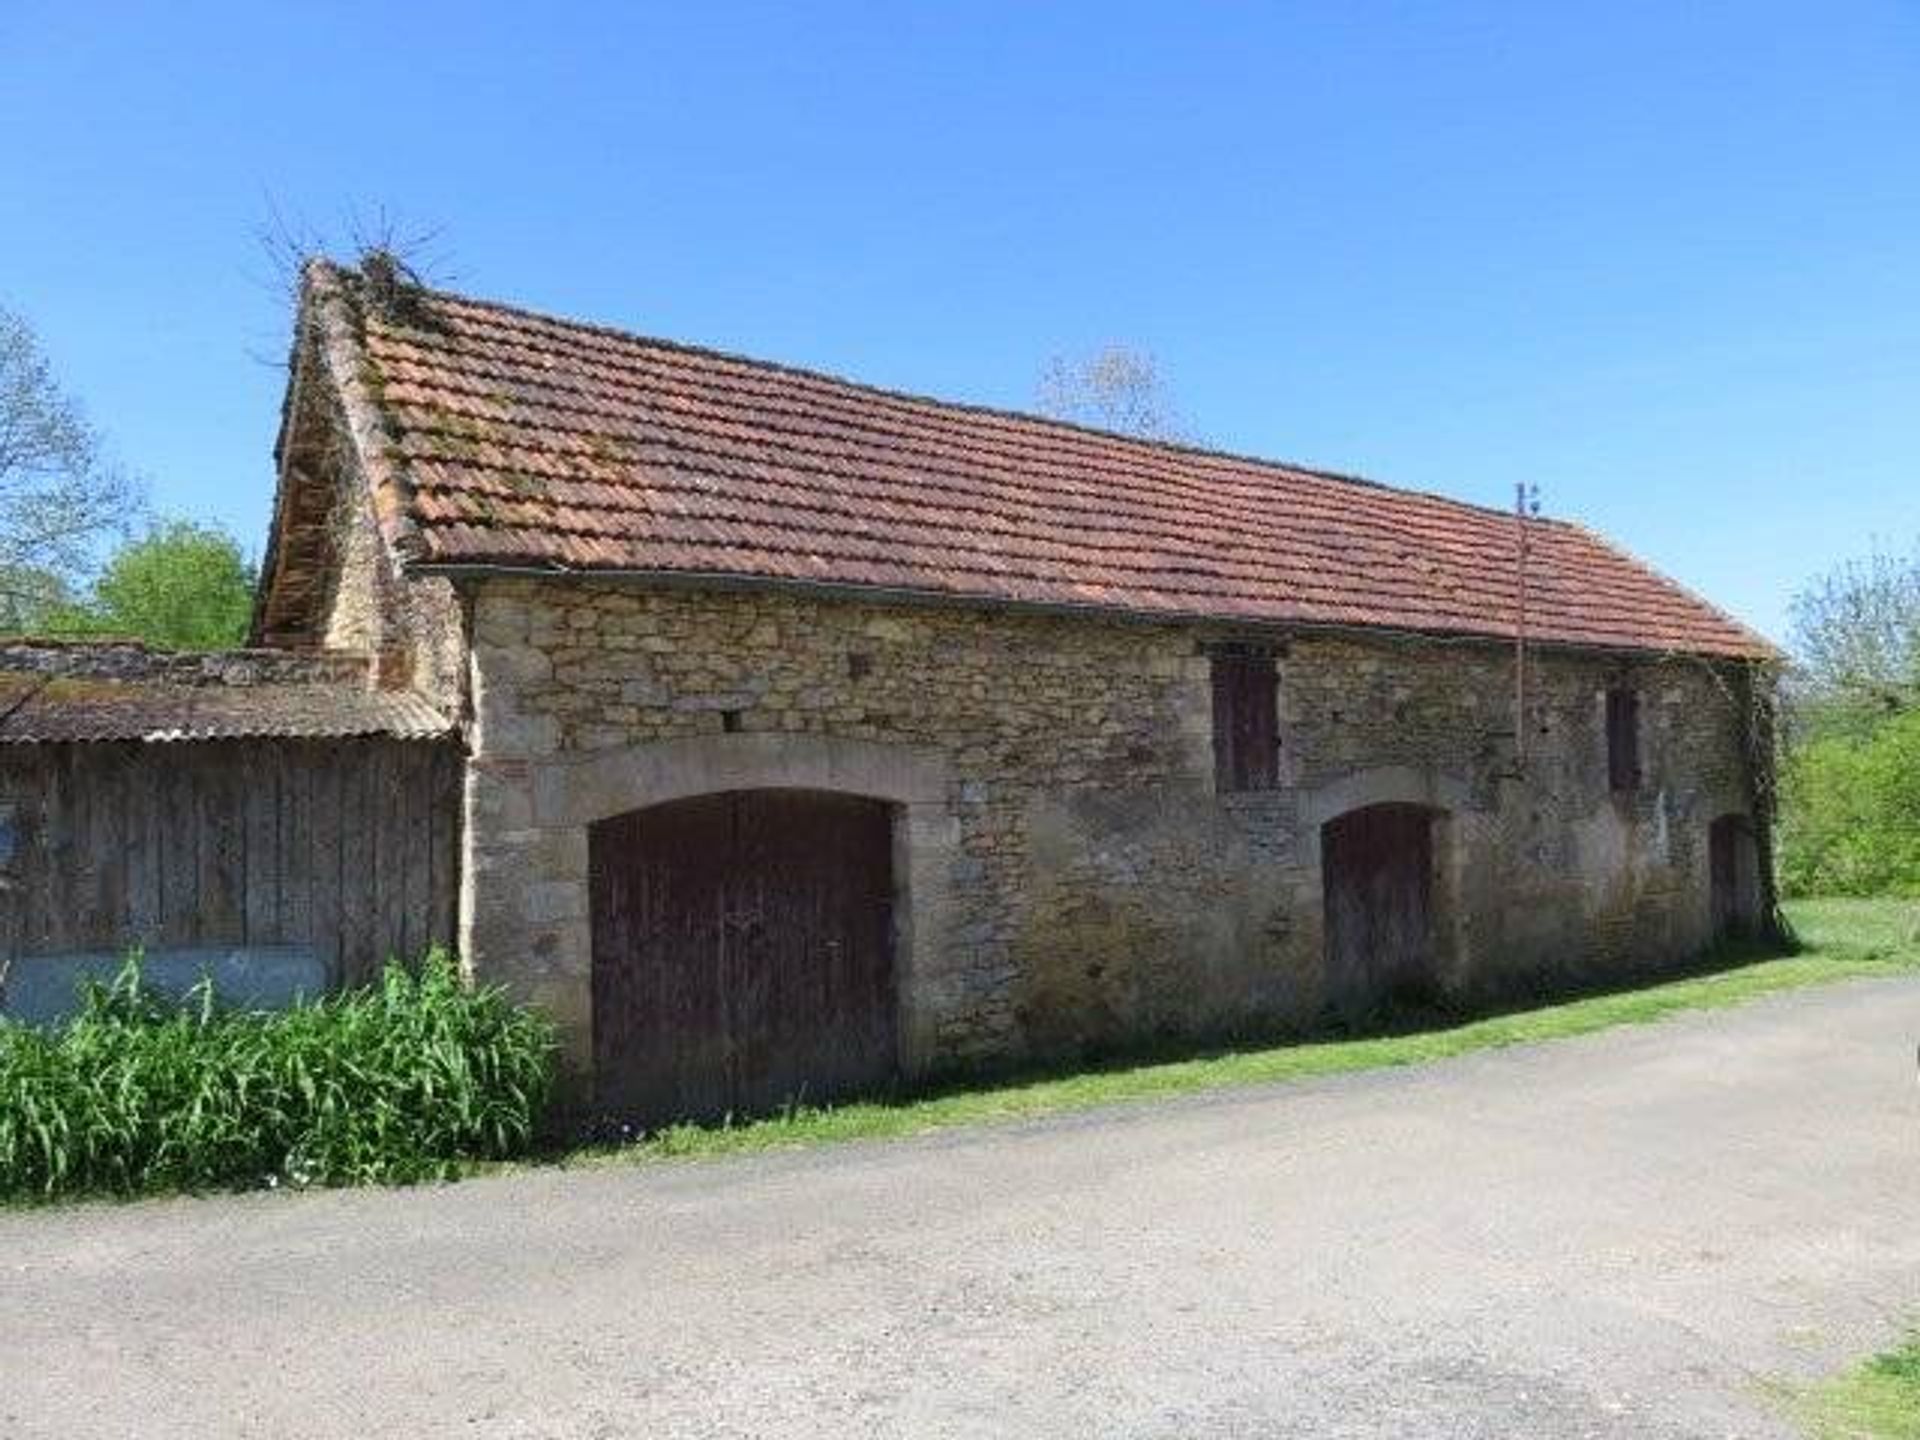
x,y
816,735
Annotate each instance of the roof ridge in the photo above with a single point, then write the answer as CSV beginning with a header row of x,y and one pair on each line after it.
x,y
998,412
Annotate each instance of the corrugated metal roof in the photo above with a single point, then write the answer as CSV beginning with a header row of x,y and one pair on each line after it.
x,y
43,709
505,438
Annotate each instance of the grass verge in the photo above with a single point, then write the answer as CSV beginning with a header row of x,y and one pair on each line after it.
x,y
406,1079
1839,940
1878,1400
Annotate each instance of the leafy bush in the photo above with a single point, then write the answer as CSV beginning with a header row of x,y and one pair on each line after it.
x,y
1850,824
181,586
397,1081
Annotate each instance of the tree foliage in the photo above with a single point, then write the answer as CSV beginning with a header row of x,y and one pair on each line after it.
x,y
59,494
1113,388
181,586
1850,817
1850,824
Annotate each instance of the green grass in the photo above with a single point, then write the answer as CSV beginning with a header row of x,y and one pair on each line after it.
x,y
406,1079
1876,926
1878,1400
418,1077
1839,940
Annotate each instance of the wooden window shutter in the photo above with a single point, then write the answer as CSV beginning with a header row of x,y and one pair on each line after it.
x,y
1246,721
1623,739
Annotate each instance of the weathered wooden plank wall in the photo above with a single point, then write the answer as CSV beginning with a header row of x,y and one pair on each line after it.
x,y
350,846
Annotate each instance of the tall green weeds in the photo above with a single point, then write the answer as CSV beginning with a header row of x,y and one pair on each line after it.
x,y
401,1080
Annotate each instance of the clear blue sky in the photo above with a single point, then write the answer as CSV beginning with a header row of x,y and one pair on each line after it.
x,y
1662,259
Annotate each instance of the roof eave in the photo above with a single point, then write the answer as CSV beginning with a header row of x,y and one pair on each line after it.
x,y
455,570
290,407
1764,649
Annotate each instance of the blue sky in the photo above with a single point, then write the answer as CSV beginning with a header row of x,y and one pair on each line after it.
x,y
1659,259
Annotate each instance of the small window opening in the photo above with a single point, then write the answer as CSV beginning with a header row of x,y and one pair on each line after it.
x,y
730,722
859,666
1246,720
1623,740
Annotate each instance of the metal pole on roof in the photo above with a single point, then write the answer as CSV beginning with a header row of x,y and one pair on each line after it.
x,y
1526,502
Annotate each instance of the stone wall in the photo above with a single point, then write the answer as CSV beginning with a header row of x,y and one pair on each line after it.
x,y
411,628
133,660
1074,879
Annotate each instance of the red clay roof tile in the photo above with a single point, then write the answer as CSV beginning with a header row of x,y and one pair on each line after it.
x,y
525,441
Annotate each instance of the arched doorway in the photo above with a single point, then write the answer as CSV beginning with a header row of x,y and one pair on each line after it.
x,y
1733,863
742,954
1377,883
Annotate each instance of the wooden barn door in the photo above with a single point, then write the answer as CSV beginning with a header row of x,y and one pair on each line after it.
x,y
742,954
1377,868
1733,859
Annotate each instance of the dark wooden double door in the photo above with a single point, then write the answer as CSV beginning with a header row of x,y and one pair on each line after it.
x,y
1377,869
742,954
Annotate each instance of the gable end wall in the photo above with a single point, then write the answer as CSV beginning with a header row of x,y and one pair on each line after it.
x,y
413,625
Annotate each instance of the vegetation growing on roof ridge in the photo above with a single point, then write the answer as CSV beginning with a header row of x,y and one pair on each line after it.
x,y
386,281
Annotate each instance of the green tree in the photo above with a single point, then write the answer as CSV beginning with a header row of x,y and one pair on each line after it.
x,y
1850,813
1851,821
181,586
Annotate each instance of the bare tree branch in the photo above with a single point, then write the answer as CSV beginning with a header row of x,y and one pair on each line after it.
x,y
59,493
1856,635
1113,388
415,255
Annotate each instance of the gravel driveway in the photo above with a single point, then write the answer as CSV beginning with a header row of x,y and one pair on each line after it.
x,y
1630,1234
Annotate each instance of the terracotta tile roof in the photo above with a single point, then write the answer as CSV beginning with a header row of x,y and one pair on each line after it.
x,y
54,693
502,438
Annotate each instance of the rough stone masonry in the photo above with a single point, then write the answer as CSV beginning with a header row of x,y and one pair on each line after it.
x,y
1072,876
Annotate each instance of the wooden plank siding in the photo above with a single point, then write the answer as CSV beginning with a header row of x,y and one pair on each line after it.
x,y
349,846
